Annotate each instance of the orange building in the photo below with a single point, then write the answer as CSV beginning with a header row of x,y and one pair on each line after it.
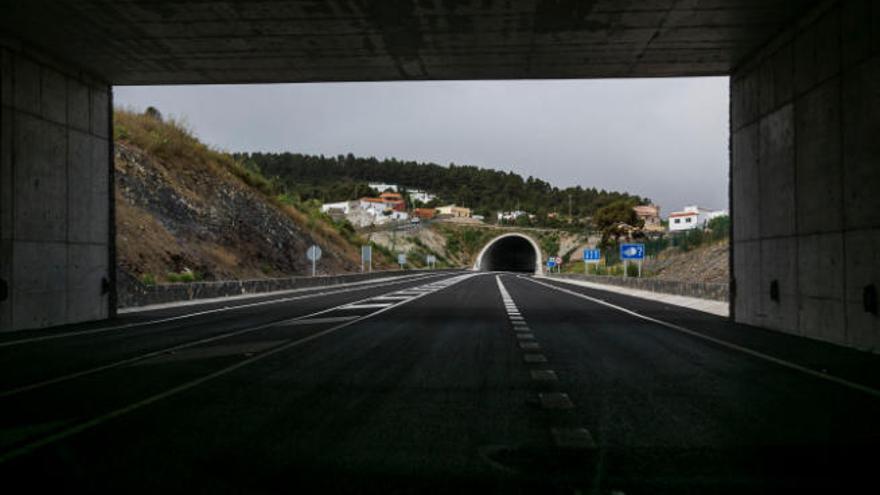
x,y
393,200
424,213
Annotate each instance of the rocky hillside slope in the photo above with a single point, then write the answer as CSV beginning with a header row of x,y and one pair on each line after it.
x,y
707,263
187,212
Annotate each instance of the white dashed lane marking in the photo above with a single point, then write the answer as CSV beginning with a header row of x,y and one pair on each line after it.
x,y
558,402
367,306
555,400
534,358
573,438
544,375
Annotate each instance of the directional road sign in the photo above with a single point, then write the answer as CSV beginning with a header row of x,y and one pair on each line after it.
x,y
401,259
551,262
632,251
592,255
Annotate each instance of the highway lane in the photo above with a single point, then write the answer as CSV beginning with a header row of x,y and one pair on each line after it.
x,y
673,412
74,349
480,382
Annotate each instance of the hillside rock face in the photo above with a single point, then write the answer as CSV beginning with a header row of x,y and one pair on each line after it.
x,y
198,216
704,264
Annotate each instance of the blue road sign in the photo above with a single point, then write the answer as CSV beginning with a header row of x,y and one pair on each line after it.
x,y
551,262
632,251
592,255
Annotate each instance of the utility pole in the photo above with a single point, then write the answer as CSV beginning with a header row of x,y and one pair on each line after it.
x,y
569,207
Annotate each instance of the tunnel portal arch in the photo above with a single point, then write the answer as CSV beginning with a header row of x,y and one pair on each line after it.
x,y
510,252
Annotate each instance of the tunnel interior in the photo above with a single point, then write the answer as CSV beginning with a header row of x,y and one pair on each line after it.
x,y
511,254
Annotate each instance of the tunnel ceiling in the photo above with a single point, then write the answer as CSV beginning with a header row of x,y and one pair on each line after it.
x,y
205,41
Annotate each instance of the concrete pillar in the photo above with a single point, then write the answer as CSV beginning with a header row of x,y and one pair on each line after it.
x,y
805,178
55,193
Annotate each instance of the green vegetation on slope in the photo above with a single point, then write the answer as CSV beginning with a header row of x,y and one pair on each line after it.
x,y
485,190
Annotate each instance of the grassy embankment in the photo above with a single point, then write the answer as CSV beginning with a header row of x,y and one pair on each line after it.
x,y
172,142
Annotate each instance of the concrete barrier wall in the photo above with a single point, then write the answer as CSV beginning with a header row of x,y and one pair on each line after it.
x,y
805,149
718,292
132,293
56,238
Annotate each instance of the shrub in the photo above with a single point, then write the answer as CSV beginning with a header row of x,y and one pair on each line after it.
x,y
148,279
185,276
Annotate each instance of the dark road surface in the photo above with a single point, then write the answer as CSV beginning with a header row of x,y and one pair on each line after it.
x,y
431,384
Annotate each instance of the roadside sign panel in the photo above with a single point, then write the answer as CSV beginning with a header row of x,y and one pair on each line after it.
x,y
592,255
632,251
367,257
313,253
401,259
558,260
551,262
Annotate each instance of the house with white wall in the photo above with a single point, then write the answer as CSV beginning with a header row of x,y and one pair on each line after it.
x,y
692,217
341,207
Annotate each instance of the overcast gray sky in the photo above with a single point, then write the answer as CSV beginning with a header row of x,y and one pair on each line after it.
x,y
661,138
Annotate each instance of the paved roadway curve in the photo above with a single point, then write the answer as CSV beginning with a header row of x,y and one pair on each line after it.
x,y
434,383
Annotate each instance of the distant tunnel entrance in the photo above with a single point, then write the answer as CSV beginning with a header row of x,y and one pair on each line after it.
x,y
512,253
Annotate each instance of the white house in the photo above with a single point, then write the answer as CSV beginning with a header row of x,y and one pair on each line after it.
x,y
421,196
342,206
510,215
692,217
383,187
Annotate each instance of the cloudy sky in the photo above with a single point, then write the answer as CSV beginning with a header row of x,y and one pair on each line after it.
x,y
661,138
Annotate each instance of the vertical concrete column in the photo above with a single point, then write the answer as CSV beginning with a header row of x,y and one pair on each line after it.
x,y
805,177
55,216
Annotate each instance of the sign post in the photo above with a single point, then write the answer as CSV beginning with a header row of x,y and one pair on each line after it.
x,y
635,252
591,256
401,260
367,257
551,262
314,254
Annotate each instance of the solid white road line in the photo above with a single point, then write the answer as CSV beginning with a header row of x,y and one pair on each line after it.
x,y
729,345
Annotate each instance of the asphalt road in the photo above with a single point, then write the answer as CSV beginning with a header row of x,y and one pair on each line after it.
x,y
432,384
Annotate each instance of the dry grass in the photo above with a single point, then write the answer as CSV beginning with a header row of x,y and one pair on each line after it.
x,y
183,161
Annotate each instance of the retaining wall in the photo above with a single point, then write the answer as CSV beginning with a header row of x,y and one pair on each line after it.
x,y
132,293
718,292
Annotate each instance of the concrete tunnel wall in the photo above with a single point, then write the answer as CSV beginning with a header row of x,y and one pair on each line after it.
x,y
56,246
805,178
497,254
805,116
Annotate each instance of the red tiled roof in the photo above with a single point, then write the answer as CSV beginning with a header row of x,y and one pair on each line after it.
x,y
683,214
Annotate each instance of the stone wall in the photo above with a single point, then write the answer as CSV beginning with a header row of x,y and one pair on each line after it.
x,y
702,290
805,175
55,193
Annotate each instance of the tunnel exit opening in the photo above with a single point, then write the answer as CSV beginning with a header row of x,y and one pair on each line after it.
x,y
510,253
